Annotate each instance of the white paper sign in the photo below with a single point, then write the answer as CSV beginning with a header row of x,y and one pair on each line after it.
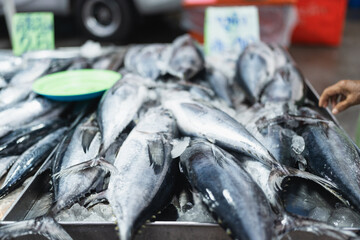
x,y
230,29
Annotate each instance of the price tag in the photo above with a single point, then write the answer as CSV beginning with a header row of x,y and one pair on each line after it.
x,y
32,31
230,29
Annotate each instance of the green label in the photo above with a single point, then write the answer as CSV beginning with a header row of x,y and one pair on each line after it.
x,y
32,31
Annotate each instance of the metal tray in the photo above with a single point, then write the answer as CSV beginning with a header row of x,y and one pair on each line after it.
x,y
24,207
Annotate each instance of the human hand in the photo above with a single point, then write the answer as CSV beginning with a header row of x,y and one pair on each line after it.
x,y
341,95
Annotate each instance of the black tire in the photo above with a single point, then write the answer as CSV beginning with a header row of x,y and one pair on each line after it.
x,y
105,20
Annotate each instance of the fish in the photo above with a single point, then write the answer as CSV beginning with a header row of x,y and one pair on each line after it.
x,y
183,59
32,71
29,160
255,68
119,106
221,85
18,141
305,198
13,94
23,113
9,65
200,120
71,188
6,163
146,152
288,84
331,154
238,203
146,60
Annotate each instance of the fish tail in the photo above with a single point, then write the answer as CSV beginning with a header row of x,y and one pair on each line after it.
x,y
45,226
96,162
278,175
296,223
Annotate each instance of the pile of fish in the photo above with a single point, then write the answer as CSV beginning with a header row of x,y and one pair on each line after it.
x,y
236,138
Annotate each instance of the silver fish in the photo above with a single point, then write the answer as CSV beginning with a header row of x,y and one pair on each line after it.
x,y
145,153
33,70
70,188
119,106
184,60
6,163
23,113
199,120
30,159
146,61
229,192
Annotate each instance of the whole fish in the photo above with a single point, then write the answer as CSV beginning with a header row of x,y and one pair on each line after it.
x,y
255,68
331,154
29,160
70,188
23,113
199,120
119,106
184,60
238,203
145,153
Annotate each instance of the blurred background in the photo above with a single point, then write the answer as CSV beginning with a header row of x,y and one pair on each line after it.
x,y
323,36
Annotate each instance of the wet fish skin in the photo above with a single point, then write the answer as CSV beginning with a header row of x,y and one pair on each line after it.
x,y
288,84
30,159
184,60
119,106
33,70
221,86
229,192
255,68
145,153
70,188
6,163
23,113
332,155
199,120
21,139
146,60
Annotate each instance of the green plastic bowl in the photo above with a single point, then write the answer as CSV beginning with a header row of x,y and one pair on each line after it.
x,y
75,85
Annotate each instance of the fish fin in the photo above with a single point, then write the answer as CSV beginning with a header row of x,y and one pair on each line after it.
x,y
156,152
94,199
179,146
96,162
87,136
296,223
45,226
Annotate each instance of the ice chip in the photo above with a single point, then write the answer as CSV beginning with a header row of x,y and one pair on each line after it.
x,y
344,217
320,214
297,144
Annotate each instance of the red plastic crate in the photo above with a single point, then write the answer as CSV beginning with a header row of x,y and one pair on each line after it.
x,y
321,22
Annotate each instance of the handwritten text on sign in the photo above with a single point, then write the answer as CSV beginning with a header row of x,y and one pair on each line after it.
x,y
230,29
32,31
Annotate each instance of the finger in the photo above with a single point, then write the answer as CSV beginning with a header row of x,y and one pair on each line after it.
x,y
327,93
341,106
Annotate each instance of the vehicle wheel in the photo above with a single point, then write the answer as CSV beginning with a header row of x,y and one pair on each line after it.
x,y
105,19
